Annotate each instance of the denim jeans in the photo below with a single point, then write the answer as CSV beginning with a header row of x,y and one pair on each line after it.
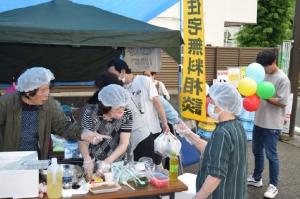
x,y
265,139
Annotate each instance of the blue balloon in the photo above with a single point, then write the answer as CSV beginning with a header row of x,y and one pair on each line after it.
x,y
256,71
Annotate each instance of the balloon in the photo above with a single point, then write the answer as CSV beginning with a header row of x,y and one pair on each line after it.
x,y
256,72
251,103
265,90
247,86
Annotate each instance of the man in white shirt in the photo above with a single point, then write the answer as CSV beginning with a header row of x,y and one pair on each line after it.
x,y
145,98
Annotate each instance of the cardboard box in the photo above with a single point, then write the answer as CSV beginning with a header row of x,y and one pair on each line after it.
x,y
15,180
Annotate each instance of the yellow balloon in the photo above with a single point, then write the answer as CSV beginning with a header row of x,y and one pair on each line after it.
x,y
247,86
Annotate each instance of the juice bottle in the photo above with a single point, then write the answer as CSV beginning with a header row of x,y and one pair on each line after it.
x,y
54,180
173,168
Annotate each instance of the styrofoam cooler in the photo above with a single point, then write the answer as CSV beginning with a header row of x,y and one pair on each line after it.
x,y
15,180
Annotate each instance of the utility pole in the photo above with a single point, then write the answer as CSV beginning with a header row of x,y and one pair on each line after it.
x,y
294,66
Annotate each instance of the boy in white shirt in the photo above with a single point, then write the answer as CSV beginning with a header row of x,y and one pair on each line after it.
x,y
145,98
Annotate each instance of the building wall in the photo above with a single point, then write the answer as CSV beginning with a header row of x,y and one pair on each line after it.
x,y
214,15
170,18
243,12
217,15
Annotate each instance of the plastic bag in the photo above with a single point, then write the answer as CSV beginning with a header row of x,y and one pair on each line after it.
x,y
167,144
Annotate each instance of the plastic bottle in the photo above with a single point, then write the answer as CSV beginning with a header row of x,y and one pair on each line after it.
x,y
67,177
173,169
54,180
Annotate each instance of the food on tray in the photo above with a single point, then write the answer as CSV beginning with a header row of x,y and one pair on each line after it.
x,y
96,179
104,187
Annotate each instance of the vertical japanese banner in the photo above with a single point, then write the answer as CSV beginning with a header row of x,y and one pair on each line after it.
x,y
193,94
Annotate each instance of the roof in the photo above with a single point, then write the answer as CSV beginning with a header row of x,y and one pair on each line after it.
x,y
57,25
67,23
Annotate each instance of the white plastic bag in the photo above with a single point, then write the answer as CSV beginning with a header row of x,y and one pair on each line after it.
x,y
167,144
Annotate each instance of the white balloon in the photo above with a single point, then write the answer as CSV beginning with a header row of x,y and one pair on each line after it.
x,y
256,71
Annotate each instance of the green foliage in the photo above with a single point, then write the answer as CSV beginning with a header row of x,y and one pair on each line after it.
x,y
274,24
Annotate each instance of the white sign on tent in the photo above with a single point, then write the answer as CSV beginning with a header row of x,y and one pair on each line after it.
x,y
141,59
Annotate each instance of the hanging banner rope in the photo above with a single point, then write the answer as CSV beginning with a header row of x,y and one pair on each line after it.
x,y
193,92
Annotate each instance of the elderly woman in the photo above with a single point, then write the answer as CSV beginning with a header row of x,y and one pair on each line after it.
x,y
111,118
223,172
28,116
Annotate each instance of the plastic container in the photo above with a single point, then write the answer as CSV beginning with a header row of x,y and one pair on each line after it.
x,y
71,149
159,180
54,180
67,177
148,163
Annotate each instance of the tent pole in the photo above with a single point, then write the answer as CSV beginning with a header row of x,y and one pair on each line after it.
x,y
294,66
180,56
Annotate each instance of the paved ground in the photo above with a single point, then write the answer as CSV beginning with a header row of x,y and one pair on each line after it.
x,y
297,126
289,154
289,183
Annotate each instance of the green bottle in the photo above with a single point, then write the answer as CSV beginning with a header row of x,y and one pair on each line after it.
x,y
173,172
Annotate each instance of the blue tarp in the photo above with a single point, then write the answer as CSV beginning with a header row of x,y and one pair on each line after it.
x,y
6,5
143,10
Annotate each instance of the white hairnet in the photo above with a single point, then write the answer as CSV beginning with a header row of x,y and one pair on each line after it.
x,y
114,96
226,97
34,78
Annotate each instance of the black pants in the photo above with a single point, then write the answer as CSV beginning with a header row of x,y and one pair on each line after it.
x,y
146,149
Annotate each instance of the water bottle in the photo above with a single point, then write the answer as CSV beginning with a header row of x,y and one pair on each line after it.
x,y
173,172
67,177
54,180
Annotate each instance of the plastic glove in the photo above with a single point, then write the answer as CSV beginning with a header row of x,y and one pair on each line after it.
x,y
88,167
93,137
103,167
183,130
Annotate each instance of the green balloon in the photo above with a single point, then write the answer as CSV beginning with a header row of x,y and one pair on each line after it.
x,y
265,90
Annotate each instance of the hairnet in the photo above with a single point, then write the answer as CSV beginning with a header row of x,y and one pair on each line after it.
x,y
226,97
114,96
34,78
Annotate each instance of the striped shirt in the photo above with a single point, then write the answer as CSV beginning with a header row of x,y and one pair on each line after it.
x,y
225,157
92,121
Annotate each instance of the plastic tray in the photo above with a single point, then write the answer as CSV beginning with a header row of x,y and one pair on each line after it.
x,y
104,187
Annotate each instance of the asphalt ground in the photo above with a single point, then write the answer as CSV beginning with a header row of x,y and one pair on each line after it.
x,y
289,156
289,177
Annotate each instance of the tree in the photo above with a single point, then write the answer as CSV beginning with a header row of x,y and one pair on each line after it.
x,y
274,24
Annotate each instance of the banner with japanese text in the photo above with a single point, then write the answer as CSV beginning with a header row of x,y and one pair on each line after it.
x,y
193,89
